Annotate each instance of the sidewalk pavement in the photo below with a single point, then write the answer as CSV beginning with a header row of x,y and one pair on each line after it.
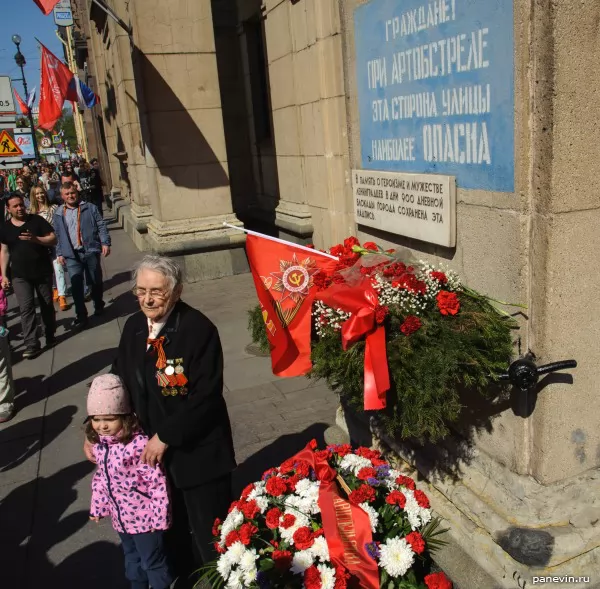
x,y
45,537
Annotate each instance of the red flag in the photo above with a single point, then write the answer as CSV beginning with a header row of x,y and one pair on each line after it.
x,y
46,6
54,87
283,276
24,108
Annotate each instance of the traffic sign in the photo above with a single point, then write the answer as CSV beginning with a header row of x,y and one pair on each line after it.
x,y
63,15
46,142
7,101
56,139
8,147
12,164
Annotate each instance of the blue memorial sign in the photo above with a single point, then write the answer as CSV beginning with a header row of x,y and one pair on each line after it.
x,y
436,89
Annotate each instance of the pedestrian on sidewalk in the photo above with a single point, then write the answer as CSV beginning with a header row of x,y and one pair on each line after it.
x,y
7,385
132,493
26,241
82,239
41,206
171,361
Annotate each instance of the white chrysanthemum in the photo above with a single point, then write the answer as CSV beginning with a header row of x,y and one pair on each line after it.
x,y
259,490
396,556
263,503
232,521
287,534
235,553
327,576
301,505
417,516
224,566
320,549
373,515
354,463
248,560
308,489
235,580
302,560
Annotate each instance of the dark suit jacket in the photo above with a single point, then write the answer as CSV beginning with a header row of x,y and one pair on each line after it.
x,y
195,426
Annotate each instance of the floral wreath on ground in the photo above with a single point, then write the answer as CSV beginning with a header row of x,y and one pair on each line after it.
x,y
278,535
440,337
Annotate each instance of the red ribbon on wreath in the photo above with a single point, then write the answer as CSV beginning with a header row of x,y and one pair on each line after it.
x,y
347,527
362,302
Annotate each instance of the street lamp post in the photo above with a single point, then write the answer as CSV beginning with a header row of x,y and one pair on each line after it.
x,y
20,60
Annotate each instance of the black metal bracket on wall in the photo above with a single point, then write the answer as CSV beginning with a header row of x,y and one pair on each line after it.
x,y
524,374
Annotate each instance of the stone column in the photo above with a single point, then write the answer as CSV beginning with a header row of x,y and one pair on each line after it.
x,y
304,48
182,128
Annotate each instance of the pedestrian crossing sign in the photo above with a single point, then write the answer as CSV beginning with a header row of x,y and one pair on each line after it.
x,y
8,147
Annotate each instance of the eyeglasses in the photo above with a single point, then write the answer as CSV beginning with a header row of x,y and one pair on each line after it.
x,y
154,293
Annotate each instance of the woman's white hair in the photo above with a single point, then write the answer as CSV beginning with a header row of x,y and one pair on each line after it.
x,y
168,267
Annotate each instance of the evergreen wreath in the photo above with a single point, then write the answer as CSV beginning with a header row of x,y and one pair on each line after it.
x,y
441,336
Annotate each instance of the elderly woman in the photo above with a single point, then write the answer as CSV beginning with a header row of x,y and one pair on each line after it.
x,y
171,361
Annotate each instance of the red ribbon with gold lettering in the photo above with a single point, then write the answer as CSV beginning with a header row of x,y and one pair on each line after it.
x,y
157,344
347,527
362,302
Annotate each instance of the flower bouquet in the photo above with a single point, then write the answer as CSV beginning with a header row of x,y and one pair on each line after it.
x,y
328,519
402,338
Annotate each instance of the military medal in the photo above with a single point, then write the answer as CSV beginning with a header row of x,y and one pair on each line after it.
x,y
170,369
162,378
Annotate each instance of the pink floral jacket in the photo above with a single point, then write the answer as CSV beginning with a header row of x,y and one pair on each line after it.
x,y
132,493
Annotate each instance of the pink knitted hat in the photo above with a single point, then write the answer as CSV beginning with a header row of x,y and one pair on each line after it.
x,y
108,396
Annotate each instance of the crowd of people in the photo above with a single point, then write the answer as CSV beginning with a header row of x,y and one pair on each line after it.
x,y
52,235
159,414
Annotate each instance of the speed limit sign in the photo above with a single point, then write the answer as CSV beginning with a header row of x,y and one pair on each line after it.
x,y
46,142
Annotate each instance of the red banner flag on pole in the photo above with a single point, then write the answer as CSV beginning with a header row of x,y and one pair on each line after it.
x,y
46,6
24,108
283,276
54,89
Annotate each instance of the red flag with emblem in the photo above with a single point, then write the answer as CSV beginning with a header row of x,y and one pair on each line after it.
x,y
54,89
284,279
46,6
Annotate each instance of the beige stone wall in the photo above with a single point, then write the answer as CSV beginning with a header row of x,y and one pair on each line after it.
x,y
533,246
304,50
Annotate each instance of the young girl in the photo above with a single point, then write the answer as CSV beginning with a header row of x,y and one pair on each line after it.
x,y
133,494
40,205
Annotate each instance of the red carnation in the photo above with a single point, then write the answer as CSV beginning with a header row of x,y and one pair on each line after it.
x,y
292,482
396,498
447,302
303,538
232,538
343,449
410,325
381,312
422,499
337,250
364,493
250,509
287,466
276,486
368,453
437,581
367,473
349,242
302,468
440,277
406,482
234,505
215,528
369,245
320,532
219,548
272,518
247,491
416,542
288,521
246,533
312,578
378,462
282,559
341,577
